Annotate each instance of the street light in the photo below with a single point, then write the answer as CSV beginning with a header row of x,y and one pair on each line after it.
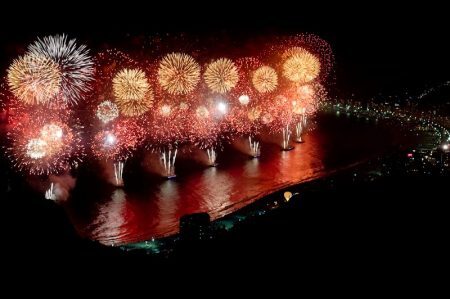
x,y
445,148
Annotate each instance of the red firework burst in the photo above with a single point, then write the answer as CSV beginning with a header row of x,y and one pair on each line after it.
x,y
119,141
167,125
43,144
246,66
208,121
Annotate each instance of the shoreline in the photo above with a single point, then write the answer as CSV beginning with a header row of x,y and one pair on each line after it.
x,y
258,207
163,247
273,198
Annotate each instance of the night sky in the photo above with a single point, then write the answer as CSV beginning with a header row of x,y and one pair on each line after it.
x,y
378,49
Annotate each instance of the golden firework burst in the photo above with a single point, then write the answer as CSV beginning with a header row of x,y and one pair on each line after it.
x,y
265,79
184,106
165,110
267,118
289,52
301,67
299,109
130,84
202,112
52,134
305,91
221,75
178,73
254,114
132,92
34,79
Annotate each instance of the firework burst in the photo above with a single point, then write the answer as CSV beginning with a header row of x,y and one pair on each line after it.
x,y
167,126
184,106
221,75
52,133
40,144
266,118
107,65
244,99
265,79
205,127
165,110
34,79
119,141
178,73
74,63
110,62
244,92
280,108
305,103
5,96
285,47
254,114
302,67
107,111
242,118
202,112
132,92
306,98
319,48
36,148
275,91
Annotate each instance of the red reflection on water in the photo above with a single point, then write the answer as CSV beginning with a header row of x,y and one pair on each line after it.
x,y
155,210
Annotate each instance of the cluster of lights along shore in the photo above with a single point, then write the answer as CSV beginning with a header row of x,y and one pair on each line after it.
x,y
169,101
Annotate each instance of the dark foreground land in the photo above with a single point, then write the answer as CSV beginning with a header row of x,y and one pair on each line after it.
x,y
381,214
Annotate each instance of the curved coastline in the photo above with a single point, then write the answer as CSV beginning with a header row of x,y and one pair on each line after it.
x,y
272,199
150,207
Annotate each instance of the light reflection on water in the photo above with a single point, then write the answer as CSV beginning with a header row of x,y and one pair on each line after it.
x,y
168,199
112,216
238,180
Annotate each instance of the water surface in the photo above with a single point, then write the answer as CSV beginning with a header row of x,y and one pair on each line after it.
x,y
150,206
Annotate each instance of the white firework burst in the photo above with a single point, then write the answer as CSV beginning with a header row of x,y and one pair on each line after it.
x,y
74,61
107,111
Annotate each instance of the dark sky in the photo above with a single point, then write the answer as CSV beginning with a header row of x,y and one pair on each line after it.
x,y
378,48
